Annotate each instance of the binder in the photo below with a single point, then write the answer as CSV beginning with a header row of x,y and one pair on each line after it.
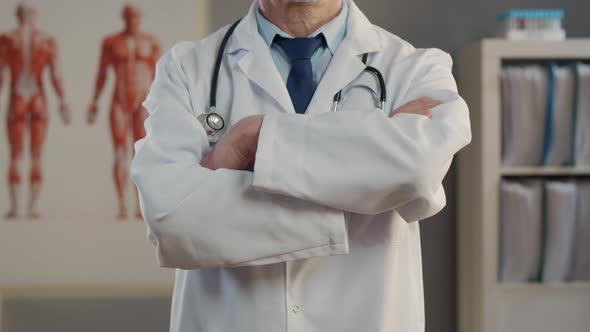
x,y
524,97
581,150
520,232
559,225
581,249
559,127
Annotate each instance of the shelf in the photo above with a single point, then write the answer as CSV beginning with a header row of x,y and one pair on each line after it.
x,y
544,171
87,290
534,286
571,48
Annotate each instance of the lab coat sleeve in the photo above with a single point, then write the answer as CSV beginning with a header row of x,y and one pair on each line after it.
x,y
364,162
201,218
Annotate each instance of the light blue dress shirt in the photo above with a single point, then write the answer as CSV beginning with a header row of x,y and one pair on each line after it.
x,y
334,32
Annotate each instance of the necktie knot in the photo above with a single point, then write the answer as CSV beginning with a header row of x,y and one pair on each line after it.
x,y
299,48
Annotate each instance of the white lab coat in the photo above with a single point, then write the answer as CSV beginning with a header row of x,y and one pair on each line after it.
x,y
322,236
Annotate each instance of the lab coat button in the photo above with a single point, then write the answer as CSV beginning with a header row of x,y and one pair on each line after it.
x,y
295,309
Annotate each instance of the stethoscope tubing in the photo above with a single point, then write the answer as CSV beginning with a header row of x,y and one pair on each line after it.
x,y
215,78
337,96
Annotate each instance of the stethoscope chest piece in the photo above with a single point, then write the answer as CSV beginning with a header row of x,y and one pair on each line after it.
x,y
213,123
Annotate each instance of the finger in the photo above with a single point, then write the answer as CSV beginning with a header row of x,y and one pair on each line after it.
x,y
416,105
427,113
419,104
427,102
251,166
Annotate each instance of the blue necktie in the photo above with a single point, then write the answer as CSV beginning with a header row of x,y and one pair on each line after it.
x,y
300,81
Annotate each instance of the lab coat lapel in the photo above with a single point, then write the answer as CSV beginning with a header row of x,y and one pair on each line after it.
x,y
259,67
346,64
257,64
343,68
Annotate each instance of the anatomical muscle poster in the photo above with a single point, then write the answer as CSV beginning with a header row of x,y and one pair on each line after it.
x,y
73,75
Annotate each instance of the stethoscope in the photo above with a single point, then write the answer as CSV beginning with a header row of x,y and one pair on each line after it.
x,y
214,123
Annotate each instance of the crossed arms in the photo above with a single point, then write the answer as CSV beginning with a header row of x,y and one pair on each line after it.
x,y
207,208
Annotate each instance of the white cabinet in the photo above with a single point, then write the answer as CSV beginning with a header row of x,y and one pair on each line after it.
x,y
486,304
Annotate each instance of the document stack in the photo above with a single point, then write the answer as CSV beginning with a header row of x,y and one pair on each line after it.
x,y
546,115
545,222
545,230
560,218
581,248
582,111
520,230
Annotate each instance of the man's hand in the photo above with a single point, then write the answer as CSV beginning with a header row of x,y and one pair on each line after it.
x,y
420,106
237,147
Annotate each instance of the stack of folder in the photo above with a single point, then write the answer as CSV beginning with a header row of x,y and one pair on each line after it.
x,y
582,109
581,247
559,221
545,230
520,230
545,223
546,114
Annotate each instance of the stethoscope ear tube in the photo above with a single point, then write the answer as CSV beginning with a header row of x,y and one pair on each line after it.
x,y
383,92
381,84
215,78
337,98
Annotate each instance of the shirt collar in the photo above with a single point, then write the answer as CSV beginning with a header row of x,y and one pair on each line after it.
x,y
334,31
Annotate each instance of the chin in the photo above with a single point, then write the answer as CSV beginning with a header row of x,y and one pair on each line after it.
x,y
294,1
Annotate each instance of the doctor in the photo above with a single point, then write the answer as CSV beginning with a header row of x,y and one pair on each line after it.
x,y
297,222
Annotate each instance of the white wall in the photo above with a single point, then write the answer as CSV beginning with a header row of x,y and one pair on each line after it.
x,y
446,24
78,240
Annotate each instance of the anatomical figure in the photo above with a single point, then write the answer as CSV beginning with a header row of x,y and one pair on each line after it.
x,y
132,55
25,53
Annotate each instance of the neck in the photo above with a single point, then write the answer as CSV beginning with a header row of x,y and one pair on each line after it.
x,y
300,18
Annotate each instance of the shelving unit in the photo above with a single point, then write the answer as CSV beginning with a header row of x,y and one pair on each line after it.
x,y
485,304
544,171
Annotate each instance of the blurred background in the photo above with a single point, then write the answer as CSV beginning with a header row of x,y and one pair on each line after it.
x,y
62,301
